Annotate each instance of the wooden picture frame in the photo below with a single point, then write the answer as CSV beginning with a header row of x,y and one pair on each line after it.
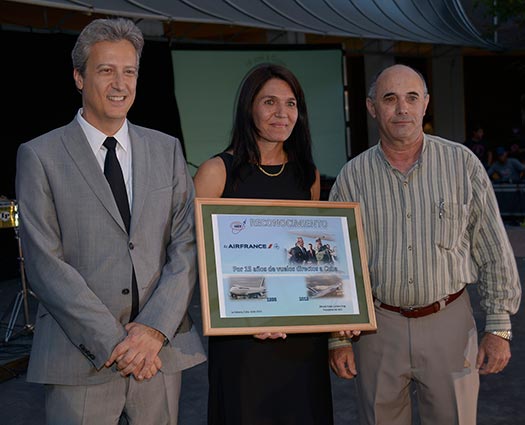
x,y
254,279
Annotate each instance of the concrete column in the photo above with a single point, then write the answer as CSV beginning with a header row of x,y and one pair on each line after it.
x,y
379,54
447,93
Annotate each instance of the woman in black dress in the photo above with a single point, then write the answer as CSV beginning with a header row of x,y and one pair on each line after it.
x,y
273,378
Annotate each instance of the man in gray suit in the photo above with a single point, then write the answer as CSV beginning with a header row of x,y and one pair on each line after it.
x,y
112,333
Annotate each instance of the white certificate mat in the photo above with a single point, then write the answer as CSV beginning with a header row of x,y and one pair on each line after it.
x,y
258,276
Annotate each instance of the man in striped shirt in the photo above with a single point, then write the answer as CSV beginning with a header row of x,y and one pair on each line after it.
x,y
432,226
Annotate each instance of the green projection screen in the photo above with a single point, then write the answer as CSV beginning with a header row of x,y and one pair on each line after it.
x,y
206,85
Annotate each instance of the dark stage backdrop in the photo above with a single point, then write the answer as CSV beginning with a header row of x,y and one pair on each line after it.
x,y
494,96
39,94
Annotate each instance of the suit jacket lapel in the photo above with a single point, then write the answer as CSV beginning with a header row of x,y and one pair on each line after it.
x,y
141,164
77,146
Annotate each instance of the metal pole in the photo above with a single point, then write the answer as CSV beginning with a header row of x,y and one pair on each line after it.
x,y
25,290
21,297
495,21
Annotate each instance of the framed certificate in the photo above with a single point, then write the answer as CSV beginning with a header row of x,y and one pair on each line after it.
x,y
282,266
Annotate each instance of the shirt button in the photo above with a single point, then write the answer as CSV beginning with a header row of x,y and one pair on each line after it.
x,y
411,281
125,291
409,215
131,246
410,247
405,184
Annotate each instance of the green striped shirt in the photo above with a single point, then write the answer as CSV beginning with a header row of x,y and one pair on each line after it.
x,y
433,230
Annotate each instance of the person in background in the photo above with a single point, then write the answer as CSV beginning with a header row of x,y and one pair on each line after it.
x,y
333,252
322,252
480,146
432,227
505,169
516,144
311,254
113,276
270,378
298,254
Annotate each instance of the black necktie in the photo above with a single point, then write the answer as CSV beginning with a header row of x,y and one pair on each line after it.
x,y
114,176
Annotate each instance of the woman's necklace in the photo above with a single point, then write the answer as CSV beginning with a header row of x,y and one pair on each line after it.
x,y
278,173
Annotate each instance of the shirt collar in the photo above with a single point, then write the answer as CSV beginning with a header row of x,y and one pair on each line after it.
x,y
96,138
419,161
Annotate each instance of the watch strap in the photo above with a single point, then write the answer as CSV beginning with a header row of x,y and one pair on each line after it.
x,y
503,334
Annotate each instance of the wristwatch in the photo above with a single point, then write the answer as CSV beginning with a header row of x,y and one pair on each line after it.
x,y
502,334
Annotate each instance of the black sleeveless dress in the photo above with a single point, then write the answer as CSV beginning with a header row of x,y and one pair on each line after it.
x,y
271,382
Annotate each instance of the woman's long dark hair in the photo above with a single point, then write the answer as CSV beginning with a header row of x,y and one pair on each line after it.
x,y
298,146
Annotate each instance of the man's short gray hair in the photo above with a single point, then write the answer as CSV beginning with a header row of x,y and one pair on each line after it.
x,y
105,30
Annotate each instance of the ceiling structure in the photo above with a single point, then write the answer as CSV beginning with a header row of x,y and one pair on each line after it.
x,y
419,21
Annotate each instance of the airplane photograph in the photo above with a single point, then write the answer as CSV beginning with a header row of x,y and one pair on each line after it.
x,y
247,287
324,286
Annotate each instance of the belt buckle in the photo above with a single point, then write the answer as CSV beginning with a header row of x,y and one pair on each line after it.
x,y
407,311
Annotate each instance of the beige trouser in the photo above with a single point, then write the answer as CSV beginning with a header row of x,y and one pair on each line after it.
x,y
121,401
437,352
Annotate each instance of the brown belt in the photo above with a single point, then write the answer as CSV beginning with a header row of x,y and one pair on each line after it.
x,y
415,312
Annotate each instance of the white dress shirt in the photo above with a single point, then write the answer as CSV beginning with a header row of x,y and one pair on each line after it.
x,y
123,149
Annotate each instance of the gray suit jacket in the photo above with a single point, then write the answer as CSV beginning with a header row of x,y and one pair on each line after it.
x,y
79,257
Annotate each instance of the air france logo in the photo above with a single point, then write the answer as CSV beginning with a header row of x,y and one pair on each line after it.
x,y
237,226
251,246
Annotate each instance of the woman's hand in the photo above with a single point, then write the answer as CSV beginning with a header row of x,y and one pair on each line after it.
x,y
349,334
270,335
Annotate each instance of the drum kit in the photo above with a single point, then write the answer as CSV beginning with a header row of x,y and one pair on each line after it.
x,y
8,220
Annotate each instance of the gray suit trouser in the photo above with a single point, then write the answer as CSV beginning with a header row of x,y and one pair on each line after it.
x,y
120,401
437,352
